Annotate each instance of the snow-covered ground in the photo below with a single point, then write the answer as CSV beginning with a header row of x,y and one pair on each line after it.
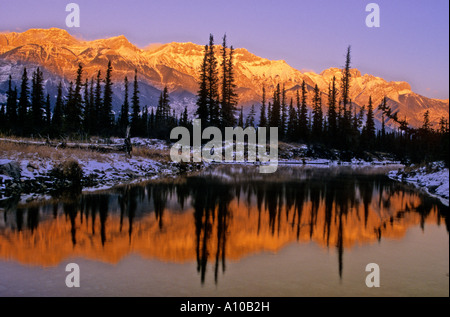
x,y
105,170
100,170
434,179
153,144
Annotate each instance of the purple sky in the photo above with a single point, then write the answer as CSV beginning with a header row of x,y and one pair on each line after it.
x,y
412,43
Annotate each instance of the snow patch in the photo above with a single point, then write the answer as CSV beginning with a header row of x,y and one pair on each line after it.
x,y
434,179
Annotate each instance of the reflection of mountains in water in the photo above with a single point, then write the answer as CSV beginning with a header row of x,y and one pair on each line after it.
x,y
205,220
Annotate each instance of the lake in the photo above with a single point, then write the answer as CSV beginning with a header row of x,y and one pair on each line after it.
x,y
231,231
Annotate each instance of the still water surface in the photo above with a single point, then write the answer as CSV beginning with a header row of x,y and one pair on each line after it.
x,y
230,231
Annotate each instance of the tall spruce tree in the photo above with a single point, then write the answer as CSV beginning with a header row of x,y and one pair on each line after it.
x,y
345,112
151,123
212,82
275,119
383,108
263,117
426,125
144,122
23,102
11,105
136,126
226,113
332,113
303,116
48,114
317,124
58,114
123,118
184,118
88,105
164,120
269,114
250,121
241,118
74,108
166,104
202,112
283,114
37,101
292,124
92,115
232,97
2,118
106,113
297,114
443,125
97,113
369,129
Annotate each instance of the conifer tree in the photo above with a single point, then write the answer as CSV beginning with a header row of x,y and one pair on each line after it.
x,y
226,113
332,113
123,119
426,126
202,112
144,122
3,118
283,114
345,125
37,100
98,105
163,111
232,97
297,115
275,111
48,114
11,105
383,107
369,129
92,113
292,125
136,126
262,117
23,101
106,113
166,103
250,122
184,118
88,105
317,124
164,120
269,114
58,116
303,115
151,122
159,115
212,82
75,105
443,125
241,118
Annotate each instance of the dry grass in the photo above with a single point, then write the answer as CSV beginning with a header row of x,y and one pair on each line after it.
x,y
50,152
158,155
28,151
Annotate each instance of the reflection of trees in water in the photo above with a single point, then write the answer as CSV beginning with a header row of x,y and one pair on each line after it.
x,y
316,205
211,208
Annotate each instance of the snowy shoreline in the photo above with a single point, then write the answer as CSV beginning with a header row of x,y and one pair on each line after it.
x,y
433,179
30,175
33,174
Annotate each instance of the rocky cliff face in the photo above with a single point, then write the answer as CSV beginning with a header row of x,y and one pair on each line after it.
x,y
177,66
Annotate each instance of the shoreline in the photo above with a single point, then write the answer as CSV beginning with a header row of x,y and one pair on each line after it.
x,y
108,177
432,178
35,170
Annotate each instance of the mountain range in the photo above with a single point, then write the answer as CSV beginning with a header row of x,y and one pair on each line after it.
x,y
177,65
